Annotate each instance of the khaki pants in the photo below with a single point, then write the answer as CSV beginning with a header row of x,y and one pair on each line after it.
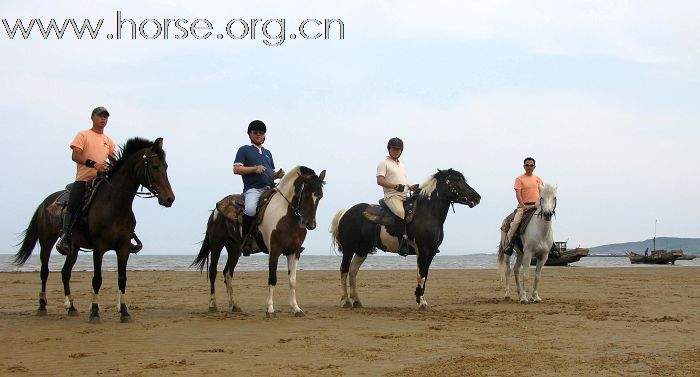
x,y
515,223
395,204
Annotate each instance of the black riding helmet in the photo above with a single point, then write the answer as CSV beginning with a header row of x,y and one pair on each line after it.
x,y
257,125
394,142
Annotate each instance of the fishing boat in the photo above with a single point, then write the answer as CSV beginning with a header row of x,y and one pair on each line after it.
x,y
559,255
655,257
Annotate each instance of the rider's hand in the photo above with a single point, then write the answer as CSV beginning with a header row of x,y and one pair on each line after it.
x,y
260,169
100,167
280,173
399,187
413,187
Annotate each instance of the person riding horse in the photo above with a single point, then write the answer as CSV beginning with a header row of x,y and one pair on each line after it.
x,y
527,192
91,148
391,175
256,166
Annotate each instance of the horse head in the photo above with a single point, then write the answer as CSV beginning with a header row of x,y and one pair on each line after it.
x,y
155,174
548,201
452,185
308,191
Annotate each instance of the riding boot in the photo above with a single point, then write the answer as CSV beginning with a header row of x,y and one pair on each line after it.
x,y
65,244
247,228
403,246
509,248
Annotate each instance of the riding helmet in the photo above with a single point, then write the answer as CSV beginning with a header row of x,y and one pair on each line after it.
x,y
257,125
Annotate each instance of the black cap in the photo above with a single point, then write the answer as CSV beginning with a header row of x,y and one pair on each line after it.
x,y
99,110
257,125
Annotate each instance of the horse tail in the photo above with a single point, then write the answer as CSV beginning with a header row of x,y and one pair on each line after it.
x,y
334,231
203,257
31,236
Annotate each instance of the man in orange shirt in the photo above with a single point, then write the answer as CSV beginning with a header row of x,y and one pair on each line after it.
x,y
527,192
91,150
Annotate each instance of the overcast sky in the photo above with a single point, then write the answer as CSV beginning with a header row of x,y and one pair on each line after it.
x,y
604,94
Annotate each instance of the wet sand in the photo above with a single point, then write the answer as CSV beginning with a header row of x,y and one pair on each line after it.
x,y
608,321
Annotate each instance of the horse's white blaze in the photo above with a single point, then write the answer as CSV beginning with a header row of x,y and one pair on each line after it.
x,y
292,263
391,242
270,294
68,302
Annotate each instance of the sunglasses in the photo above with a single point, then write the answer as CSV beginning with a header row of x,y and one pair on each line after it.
x,y
529,165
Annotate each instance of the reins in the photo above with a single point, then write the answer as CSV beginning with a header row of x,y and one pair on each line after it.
x,y
151,193
296,209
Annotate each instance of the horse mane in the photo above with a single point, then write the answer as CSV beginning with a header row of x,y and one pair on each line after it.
x,y
549,190
428,187
286,184
130,148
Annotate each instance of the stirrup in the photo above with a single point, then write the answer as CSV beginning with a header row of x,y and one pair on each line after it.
x,y
246,245
64,245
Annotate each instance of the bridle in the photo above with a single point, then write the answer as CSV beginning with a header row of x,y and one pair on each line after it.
x,y
152,192
296,208
554,212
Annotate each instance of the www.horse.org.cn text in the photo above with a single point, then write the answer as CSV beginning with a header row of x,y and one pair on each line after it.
x,y
272,31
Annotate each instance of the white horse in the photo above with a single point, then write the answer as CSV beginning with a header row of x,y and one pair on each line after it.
x,y
537,242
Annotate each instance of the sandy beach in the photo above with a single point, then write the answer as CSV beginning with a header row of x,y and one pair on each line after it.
x,y
593,322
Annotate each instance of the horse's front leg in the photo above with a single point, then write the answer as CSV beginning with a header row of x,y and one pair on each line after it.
x,y
524,275
271,283
122,259
234,253
96,284
538,273
292,264
517,274
354,269
423,264
65,276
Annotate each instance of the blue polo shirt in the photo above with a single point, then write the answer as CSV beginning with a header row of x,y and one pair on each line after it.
x,y
250,155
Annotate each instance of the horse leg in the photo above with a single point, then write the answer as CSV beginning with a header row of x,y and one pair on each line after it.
x,y
45,255
423,261
234,253
292,264
538,273
96,284
506,294
215,252
524,276
65,276
122,259
517,275
354,269
344,268
271,283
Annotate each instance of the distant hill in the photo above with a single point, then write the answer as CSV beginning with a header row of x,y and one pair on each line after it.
x,y
688,245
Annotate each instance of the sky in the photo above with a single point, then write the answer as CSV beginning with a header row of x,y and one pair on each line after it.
x,y
604,95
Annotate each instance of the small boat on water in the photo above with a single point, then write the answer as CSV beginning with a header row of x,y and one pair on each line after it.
x,y
559,255
655,257
687,257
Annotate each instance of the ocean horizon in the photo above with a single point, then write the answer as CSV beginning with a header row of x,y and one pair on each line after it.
x,y
379,261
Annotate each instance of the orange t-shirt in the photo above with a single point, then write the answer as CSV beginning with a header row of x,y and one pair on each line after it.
x,y
529,186
96,147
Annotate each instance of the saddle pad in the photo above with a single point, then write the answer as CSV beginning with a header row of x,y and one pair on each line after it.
x,y
228,208
379,215
527,216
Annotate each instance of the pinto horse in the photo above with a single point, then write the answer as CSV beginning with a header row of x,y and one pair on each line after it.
x,y
291,211
110,221
537,240
356,237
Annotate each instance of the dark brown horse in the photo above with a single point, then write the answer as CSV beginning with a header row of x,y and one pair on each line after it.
x,y
109,225
356,237
290,213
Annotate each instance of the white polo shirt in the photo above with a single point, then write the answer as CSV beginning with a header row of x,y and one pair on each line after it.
x,y
394,172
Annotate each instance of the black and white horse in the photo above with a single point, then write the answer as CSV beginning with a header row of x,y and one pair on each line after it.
x,y
356,237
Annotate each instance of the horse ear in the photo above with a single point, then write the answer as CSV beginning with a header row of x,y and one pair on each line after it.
x,y
158,144
322,176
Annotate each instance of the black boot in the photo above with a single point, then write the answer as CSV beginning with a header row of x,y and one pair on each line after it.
x,y
65,244
509,248
246,228
403,246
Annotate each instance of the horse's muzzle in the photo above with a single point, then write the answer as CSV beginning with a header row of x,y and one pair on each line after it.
x,y
470,202
166,201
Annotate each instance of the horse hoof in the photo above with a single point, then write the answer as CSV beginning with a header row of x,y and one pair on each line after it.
x,y
507,299
72,312
41,312
356,304
270,315
537,301
299,314
213,309
125,318
347,304
524,302
94,319
423,308
236,309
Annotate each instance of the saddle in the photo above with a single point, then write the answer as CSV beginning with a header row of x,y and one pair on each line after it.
x,y
231,207
91,187
527,216
382,215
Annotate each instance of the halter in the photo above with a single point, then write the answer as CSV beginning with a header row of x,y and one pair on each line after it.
x,y
554,212
296,208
